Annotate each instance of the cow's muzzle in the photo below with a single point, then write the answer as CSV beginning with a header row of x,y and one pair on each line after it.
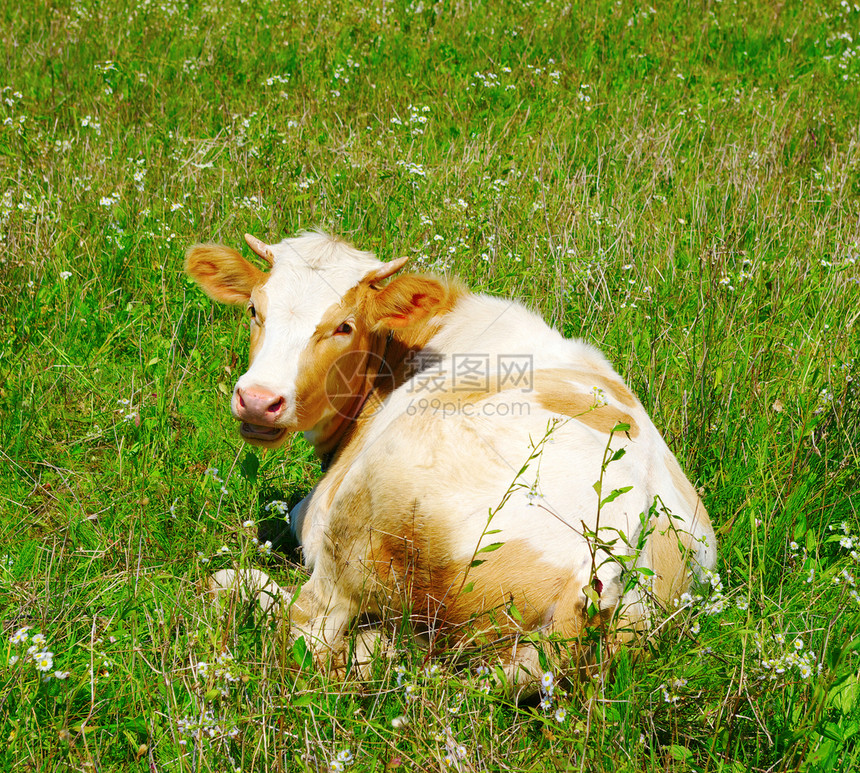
x,y
260,434
260,411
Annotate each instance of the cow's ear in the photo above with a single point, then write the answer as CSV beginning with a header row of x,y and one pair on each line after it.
x,y
222,273
404,302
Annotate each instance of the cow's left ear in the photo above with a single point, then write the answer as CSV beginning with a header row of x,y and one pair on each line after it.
x,y
404,302
222,273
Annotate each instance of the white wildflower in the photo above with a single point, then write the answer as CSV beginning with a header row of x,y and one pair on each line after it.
x,y
20,636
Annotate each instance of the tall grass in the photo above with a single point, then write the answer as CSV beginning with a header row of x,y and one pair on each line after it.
x,y
678,185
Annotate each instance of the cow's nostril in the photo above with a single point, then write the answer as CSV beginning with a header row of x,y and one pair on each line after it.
x,y
258,405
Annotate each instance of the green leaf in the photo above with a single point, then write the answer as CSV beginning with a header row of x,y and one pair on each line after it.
x,y
501,676
476,562
621,428
615,494
591,593
593,600
491,547
301,654
845,696
800,526
250,466
680,753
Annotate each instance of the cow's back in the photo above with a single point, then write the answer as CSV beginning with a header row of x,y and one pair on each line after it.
x,y
431,481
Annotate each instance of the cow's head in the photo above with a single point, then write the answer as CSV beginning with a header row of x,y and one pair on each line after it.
x,y
319,321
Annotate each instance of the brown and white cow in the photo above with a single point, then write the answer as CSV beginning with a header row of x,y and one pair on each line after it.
x,y
483,472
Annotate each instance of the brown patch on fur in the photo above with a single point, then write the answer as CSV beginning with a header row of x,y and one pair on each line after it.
x,y
669,550
569,615
312,400
222,273
412,563
684,487
614,388
336,371
409,306
443,593
555,395
516,574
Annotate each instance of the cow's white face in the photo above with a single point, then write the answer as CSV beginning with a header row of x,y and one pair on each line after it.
x,y
316,319
298,330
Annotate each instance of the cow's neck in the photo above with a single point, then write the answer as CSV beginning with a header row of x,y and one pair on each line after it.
x,y
328,438
395,359
328,447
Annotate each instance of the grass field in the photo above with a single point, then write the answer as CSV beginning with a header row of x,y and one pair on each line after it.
x,y
679,186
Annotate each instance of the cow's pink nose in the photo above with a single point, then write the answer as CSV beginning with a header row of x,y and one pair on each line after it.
x,y
258,405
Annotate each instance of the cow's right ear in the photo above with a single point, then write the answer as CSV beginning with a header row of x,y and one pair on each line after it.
x,y
406,301
222,273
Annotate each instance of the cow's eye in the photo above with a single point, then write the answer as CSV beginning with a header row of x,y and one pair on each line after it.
x,y
343,329
252,312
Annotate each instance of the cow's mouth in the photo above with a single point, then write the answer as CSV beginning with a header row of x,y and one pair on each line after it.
x,y
259,432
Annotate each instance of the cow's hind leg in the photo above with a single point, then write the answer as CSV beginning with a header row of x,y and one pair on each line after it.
x,y
566,649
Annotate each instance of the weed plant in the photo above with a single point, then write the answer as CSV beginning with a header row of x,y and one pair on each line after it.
x,y
679,185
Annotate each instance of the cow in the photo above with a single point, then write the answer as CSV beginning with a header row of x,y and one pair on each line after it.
x,y
485,478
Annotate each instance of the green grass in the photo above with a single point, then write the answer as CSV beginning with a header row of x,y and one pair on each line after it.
x,y
680,187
